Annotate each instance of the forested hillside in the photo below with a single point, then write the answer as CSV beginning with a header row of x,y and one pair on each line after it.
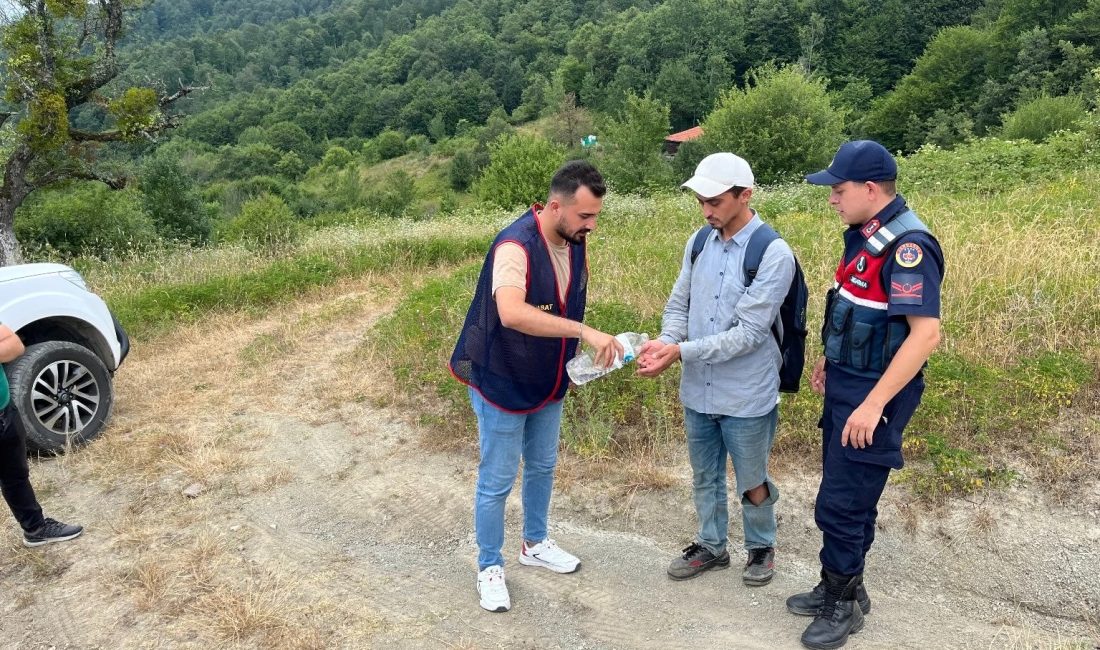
x,y
358,67
399,65
398,107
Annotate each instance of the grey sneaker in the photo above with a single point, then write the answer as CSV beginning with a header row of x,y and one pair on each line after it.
x,y
759,568
51,531
695,560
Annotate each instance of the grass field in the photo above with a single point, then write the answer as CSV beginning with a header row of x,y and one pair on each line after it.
x,y
1012,390
1021,317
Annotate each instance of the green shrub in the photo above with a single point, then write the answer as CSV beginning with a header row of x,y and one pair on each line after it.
x,y
1042,117
687,158
341,190
288,136
393,195
989,165
391,144
291,166
784,124
632,159
337,157
418,144
519,171
248,160
170,199
463,170
85,218
234,194
369,152
197,159
451,146
265,223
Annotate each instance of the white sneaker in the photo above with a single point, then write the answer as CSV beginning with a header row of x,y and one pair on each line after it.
x,y
493,591
547,554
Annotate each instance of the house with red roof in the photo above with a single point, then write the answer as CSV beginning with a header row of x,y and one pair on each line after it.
x,y
673,142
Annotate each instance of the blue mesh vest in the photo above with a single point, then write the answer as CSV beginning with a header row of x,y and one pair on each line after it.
x,y
514,371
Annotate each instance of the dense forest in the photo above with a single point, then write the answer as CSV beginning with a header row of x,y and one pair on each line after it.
x,y
357,68
306,101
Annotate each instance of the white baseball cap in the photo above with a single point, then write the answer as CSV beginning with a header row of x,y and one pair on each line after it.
x,y
719,172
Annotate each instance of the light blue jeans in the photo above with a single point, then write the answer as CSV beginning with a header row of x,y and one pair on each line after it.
x,y
748,441
504,438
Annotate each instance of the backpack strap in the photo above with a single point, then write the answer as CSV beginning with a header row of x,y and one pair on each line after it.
x,y
699,240
759,241
883,239
758,244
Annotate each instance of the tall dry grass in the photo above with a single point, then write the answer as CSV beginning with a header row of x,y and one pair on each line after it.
x,y
1021,317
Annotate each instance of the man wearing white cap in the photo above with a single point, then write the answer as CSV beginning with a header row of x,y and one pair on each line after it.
x,y
719,323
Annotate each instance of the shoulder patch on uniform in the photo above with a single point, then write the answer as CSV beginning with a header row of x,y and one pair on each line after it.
x,y
871,227
908,255
907,288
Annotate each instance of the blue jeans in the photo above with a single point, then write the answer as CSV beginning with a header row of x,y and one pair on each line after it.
x,y
505,437
748,441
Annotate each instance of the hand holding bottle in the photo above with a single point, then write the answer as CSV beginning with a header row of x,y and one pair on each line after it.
x,y
606,349
583,368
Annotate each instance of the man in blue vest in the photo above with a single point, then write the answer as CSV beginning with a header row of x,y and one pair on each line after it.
x,y
524,323
718,323
882,322
14,472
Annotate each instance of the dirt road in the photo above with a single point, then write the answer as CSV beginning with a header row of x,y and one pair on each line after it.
x,y
325,521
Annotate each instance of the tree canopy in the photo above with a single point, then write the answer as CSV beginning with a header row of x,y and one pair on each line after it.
x,y
59,56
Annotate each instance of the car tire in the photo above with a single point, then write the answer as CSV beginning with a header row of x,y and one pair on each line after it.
x,y
74,398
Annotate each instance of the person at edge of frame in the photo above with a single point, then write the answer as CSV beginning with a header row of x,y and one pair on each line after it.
x,y
15,482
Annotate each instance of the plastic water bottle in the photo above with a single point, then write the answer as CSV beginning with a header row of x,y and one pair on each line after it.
x,y
583,369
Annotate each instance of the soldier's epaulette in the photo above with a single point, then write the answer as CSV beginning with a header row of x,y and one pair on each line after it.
x,y
884,236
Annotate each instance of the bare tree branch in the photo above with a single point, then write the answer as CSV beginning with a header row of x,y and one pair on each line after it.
x,y
107,68
180,94
87,28
92,136
46,44
57,175
112,28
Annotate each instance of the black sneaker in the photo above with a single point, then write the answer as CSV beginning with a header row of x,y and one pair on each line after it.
x,y
51,531
695,560
760,567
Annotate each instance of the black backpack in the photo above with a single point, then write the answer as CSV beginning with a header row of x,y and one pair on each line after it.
x,y
792,313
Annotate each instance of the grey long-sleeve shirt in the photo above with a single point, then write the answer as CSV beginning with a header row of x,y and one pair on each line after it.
x,y
729,355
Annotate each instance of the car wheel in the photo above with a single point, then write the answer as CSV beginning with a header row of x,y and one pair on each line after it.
x,y
63,394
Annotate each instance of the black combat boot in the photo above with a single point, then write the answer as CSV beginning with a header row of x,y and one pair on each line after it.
x,y
839,616
808,603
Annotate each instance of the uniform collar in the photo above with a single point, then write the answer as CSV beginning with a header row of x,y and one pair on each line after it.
x,y
892,209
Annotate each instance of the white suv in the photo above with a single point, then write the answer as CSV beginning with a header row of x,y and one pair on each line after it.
x,y
61,386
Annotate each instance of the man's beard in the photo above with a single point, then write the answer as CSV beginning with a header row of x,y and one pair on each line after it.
x,y
575,238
